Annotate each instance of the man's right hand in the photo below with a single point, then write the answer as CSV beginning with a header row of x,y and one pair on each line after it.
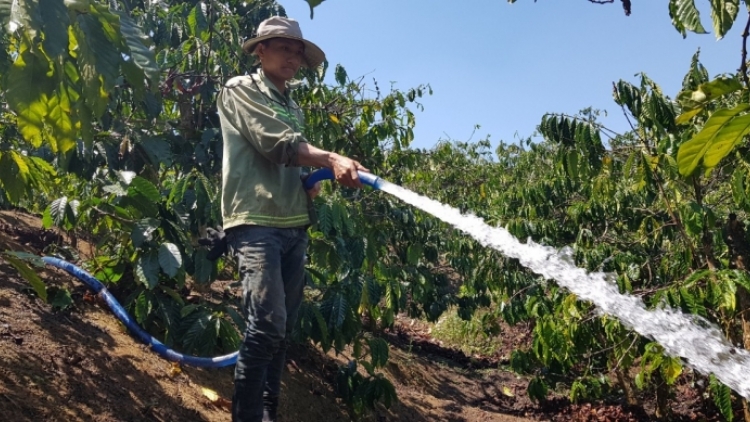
x,y
345,170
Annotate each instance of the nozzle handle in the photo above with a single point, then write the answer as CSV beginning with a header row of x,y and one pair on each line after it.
x,y
326,174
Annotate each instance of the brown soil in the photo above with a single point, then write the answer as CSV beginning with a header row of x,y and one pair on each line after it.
x,y
82,365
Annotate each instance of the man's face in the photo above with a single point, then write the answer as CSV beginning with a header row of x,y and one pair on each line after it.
x,y
282,58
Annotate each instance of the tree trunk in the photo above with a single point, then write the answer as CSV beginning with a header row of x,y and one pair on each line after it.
x,y
627,387
663,410
734,236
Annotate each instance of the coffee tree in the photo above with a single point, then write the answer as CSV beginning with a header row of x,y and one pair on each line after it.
x,y
110,131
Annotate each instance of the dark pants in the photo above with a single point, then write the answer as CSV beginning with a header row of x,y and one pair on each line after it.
x,y
272,270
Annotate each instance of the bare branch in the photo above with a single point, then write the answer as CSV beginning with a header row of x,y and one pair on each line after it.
x,y
743,66
625,4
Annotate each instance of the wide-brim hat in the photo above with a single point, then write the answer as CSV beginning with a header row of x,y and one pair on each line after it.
x,y
280,27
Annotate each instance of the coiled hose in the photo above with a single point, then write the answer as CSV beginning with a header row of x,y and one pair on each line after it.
x,y
140,333
157,346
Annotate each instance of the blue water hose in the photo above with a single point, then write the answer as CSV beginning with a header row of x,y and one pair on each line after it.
x,y
368,179
142,335
157,346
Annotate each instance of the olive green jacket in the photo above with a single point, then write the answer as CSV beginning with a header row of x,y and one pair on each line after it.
x,y
262,129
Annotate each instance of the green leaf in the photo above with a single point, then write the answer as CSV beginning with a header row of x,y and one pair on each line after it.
x,y
158,150
109,269
61,299
722,396
170,259
228,335
372,289
146,188
142,230
9,179
187,310
57,210
378,352
99,61
691,303
723,130
672,369
6,7
139,50
723,14
696,75
640,382
414,253
118,189
236,317
83,115
338,307
313,4
143,306
197,22
201,329
685,117
29,85
341,75
325,219
80,6
47,220
628,95
707,92
728,299
29,274
204,269
169,312
138,202
339,214
71,214
738,187
537,389
22,15
685,16
147,270
135,78
59,130
56,21
719,87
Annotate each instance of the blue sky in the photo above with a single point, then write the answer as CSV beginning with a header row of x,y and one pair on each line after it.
x,y
503,66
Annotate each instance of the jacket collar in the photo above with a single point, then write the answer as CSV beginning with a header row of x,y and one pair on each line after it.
x,y
268,87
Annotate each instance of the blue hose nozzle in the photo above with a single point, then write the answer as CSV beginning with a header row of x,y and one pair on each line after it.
x,y
326,174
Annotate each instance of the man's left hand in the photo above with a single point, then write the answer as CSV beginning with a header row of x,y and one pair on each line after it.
x,y
314,191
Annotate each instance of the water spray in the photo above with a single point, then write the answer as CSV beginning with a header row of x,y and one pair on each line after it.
x,y
699,342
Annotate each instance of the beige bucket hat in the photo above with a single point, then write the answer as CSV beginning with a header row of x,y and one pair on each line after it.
x,y
280,27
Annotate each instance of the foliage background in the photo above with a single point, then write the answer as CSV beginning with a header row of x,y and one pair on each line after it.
x,y
109,129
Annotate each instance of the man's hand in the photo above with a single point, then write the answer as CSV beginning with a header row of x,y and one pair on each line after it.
x,y
216,241
314,191
345,169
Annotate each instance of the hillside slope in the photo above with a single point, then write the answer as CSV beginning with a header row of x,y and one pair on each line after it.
x,y
82,365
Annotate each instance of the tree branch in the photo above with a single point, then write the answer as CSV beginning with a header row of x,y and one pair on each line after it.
x,y
743,66
626,6
624,112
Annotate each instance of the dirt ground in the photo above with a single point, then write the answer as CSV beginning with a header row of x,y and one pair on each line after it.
x,y
82,365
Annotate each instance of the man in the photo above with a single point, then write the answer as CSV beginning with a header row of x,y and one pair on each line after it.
x,y
265,207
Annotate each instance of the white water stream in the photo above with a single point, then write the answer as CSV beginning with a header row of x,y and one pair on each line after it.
x,y
700,343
